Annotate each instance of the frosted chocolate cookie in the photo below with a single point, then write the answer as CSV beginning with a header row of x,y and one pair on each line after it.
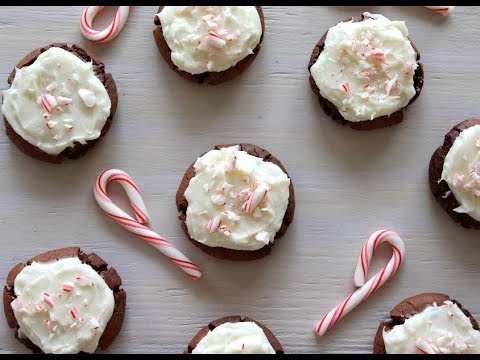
x,y
235,200
234,335
209,44
454,173
365,71
428,323
60,102
64,302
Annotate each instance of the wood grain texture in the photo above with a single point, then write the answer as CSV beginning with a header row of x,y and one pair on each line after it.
x,y
348,184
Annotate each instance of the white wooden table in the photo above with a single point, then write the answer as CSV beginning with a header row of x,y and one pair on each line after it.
x,y
347,183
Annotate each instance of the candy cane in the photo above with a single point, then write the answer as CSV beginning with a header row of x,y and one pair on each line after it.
x,y
111,31
365,289
442,10
136,226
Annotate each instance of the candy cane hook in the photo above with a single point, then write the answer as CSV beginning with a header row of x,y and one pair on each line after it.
x,y
136,226
365,289
101,36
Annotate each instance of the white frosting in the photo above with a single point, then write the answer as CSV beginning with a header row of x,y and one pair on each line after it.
x,y
224,181
76,108
461,171
444,328
366,68
235,338
210,38
62,306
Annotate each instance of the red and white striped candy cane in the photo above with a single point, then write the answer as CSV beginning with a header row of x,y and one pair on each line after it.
x,y
101,36
365,289
442,10
136,226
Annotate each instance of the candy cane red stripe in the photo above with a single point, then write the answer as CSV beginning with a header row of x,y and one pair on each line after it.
x,y
339,314
139,213
443,10
379,280
136,226
85,23
184,262
108,33
155,240
320,324
127,221
365,289
123,178
111,29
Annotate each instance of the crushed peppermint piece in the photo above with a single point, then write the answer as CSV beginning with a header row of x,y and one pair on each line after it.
x,y
263,237
48,102
63,100
214,224
232,216
51,124
67,287
88,97
51,86
218,200
93,323
391,84
215,40
48,300
74,312
210,65
83,280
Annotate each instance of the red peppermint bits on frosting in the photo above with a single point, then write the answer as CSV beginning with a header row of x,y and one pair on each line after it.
x,y
255,198
67,287
48,300
214,224
214,40
74,312
48,102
